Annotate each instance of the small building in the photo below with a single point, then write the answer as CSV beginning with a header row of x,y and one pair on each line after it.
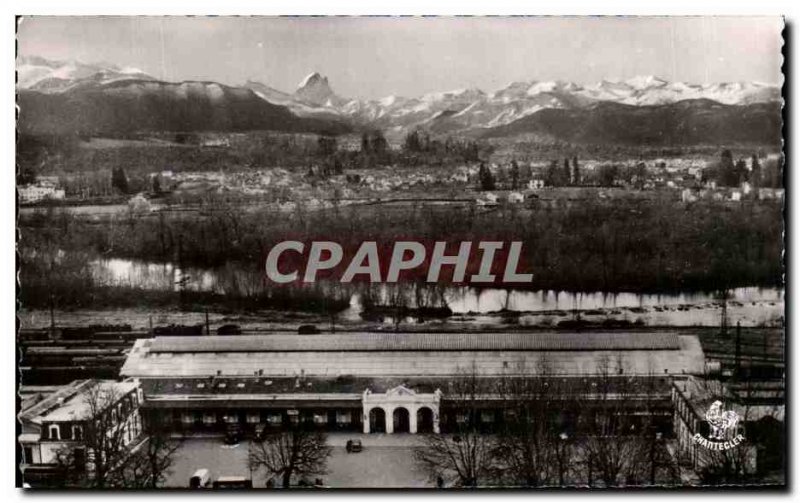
x,y
487,199
515,198
40,192
139,204
759,408
766,193
57,423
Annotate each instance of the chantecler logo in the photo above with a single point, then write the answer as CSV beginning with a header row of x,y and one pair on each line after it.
x,y
722,426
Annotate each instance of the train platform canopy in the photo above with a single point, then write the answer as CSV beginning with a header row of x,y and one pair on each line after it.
x,y
414,354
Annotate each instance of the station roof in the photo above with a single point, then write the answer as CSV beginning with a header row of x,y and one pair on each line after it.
x,y
547,341
418,354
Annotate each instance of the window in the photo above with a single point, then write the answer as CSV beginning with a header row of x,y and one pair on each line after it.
x,y
77,432
27,456
54,432
343,417
253,418
209,418
187,418
274,419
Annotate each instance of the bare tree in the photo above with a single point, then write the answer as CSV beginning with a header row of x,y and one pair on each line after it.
x,y
296,452
151,461
106,441
658,465
612,447
530,449
397,297
466,454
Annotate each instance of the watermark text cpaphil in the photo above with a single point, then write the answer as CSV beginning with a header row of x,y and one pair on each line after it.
x,y
461,262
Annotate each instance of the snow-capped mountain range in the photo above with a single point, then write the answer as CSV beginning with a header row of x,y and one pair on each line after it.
x,y
43,75
474,108
464,109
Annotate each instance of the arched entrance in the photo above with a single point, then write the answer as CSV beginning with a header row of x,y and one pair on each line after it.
x,y
377,420
424,420
401,420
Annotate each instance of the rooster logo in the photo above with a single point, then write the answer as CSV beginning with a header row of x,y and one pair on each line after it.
x,y
720,421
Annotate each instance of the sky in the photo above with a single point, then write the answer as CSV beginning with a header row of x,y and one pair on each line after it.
x,y
373,57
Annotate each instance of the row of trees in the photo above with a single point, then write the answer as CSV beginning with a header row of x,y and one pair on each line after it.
x,y
564,175
554,432
730,173
420,142
608,429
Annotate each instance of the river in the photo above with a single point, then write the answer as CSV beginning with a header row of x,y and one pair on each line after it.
x,y
751,306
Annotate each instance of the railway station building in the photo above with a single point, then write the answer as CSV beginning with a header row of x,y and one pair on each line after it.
x,y
388,382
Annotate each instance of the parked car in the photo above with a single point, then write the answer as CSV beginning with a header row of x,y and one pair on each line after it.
x,y
200,479
233,435
229,329
233,483
354,446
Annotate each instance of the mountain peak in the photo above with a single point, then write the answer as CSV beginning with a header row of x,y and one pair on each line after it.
x,y
645,81
314,89
313,79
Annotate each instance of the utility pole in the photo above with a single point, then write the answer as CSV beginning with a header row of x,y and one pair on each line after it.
x,y
724,315
738,348
208,329
52,317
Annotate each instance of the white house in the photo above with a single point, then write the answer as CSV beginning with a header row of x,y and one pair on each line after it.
x,y
54,423
139,204
487,199
515,197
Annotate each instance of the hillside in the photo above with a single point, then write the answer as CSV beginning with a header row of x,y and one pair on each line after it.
x,y
147,105
688,122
